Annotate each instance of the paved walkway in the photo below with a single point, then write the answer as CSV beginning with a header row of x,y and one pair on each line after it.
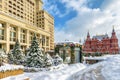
x,y
94,74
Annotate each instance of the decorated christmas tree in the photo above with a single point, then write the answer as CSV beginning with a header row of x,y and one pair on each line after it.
x,y
16,55
3,57
34,54
48,60
57,60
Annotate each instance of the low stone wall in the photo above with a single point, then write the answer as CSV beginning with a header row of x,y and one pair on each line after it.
x,y
11,73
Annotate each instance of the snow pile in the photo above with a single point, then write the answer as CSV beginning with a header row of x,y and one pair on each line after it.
x,y
52,68
61,74
96,58
106,70
57,60
111,70
7,67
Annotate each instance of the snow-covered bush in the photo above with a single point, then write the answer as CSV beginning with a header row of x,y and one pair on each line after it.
x,y
10,67
34,55
16,55
67,60
48,60
57,60
3,57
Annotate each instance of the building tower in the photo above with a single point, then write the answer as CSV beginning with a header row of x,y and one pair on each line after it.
x,y
87,43
114,42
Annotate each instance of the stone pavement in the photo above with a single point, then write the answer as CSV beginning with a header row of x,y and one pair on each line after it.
x,y
94,74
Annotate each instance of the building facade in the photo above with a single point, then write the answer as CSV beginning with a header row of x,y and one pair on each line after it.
x,y
20,19
101,44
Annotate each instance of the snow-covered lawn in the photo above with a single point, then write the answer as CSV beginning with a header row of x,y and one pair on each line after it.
x,y
63,73
105,70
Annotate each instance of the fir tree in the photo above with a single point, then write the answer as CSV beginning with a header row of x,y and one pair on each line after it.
x,y
48,60
57,60
34,56
16,55
3,57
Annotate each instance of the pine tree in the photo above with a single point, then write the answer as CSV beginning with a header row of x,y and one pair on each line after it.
x,y
48,60
16,55
34,56
3,57
57,60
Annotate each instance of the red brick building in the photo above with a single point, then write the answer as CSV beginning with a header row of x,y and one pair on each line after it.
x,y
101,44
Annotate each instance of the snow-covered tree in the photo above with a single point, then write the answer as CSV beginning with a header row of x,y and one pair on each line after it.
x,y
3,57
34,54
57,60
48,60
16,55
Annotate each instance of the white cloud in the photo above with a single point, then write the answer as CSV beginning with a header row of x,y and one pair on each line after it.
x,y
97,21
53,9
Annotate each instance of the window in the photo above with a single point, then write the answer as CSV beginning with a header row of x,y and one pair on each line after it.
x,y
12,33
38,37
43,40
31,36
0,46
23,47
11,47
2,29
0,6
0,1
23,36
47,41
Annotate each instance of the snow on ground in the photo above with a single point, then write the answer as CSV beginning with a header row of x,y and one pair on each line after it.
x,y
106,70
62,73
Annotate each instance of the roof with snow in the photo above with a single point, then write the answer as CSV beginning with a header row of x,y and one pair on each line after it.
x,y
100,37
67,42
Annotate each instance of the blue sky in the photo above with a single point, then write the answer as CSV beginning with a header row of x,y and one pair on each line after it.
x,y
73,18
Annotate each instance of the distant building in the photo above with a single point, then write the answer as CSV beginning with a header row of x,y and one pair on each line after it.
x,y
101,44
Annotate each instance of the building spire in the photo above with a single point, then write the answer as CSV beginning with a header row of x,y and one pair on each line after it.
x,y
113,33
88,34
113,29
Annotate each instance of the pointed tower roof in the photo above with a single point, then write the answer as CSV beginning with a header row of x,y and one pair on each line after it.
x,y
88,34
113,29
113,34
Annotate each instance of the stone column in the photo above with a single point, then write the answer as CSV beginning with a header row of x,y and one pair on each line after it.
x,y
18,34
7,37
49,43
45,43
27,38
